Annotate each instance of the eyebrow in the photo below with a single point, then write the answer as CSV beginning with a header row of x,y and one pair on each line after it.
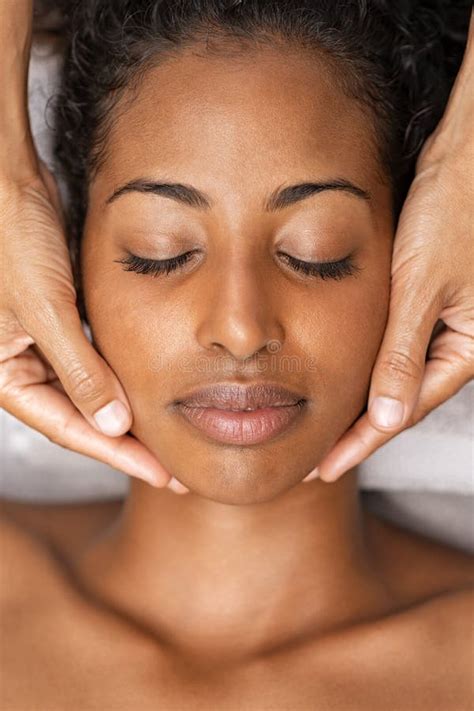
x,y
279,199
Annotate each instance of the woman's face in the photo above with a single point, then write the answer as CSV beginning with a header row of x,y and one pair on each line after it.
x,y
238,130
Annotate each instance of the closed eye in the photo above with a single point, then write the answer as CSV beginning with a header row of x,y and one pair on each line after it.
x,y
324,270
153,267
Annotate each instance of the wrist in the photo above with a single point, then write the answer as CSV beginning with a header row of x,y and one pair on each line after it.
x,y
453,137
18,158
16,20
15,46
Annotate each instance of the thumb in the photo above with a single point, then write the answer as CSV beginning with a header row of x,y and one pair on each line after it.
x,y
400,365
85,376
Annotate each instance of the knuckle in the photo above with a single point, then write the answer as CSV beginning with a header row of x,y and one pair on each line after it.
x,y
362,439
7,381
401,366
54,437
57,438
85,386
13,339
59,434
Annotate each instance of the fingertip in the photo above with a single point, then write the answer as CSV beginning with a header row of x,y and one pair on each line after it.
x,y
113,419
386,412
330,477
177,487
314,474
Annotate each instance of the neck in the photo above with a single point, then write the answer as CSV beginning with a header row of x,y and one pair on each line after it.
x,y
201,575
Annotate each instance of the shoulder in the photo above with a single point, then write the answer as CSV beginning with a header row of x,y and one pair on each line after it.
x,y
415,566
35,539
441,631
421,654
64,525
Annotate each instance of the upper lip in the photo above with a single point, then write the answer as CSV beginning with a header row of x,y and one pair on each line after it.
x,y
235,396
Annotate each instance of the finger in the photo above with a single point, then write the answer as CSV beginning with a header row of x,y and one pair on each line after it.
x,y
177,487
359,442
450,368
87,379
50,411
314,474
31,371
399,368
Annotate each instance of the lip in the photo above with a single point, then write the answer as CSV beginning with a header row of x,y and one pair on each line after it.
x,y
241,414
236,396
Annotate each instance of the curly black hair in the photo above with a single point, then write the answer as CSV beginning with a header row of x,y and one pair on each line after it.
x,y
398,58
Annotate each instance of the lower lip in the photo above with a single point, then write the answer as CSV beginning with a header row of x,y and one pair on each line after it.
x,y
244,426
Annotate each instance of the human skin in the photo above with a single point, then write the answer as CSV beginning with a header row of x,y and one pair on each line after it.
x,y
54,381
210,321
51,378
250,591
418,366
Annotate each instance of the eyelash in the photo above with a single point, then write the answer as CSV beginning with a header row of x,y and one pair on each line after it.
x,y
140,265
323,270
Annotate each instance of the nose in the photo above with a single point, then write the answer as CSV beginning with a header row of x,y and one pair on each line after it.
x,y
241,314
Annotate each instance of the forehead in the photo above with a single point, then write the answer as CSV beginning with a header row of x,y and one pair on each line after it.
x,y
269,114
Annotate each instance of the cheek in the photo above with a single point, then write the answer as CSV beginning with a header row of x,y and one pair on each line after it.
x,y
147,335
137,333
342,333
144,332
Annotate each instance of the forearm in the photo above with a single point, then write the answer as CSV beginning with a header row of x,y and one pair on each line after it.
x,y
17,154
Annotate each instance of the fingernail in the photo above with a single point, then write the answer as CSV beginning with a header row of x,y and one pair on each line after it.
x,y
113,418
332,476
347,461
312,475
387,412
177,487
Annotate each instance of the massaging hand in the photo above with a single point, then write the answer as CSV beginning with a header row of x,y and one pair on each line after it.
x,y
51,377
432,279
53,380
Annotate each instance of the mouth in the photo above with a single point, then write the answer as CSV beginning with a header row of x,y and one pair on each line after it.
x,y
238,414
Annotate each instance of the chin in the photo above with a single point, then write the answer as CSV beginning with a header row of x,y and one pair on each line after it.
x,y
241,490
238,476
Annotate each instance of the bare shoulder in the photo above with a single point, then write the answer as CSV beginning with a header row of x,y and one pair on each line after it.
x,y
67,523
424,650
425,642
417,566
441,633
33,537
